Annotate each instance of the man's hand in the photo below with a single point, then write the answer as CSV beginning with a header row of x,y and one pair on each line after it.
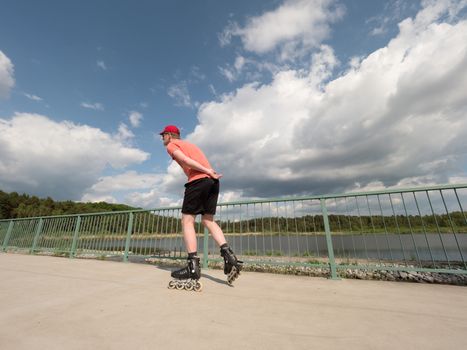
x,y
182,159
214,175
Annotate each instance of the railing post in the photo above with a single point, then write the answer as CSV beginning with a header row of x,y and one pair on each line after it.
x,y
327,230
128,237
205,248
75,238
8,234
36,236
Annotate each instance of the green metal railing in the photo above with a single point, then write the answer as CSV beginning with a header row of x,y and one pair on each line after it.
x,y
415,229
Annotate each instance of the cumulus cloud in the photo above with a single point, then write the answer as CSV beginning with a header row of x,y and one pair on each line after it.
x,y
139,190
129,180
93,198
58,159
135,119
7,80
395,116
124,133
151,199
296,25
95,106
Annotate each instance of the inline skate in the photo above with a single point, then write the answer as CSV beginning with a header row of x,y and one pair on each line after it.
x,y
232,266
187,278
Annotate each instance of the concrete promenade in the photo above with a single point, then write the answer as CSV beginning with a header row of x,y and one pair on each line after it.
x,y
60,303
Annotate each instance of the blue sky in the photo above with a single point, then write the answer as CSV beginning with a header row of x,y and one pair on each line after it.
x,y
285,97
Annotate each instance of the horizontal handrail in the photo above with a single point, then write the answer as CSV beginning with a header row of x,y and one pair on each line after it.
x,y
259,201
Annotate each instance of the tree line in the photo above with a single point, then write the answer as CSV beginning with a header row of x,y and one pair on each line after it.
x,y
14,205
149,223
351,223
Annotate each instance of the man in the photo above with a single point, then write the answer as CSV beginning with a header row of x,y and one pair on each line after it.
x,y
201,194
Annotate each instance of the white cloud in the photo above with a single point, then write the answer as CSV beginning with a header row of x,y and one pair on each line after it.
x,y
129,180
88,197
213,90
392,13
94,106
239,63
58,159
250,69
434,10
409,182
228,73
7,80
323,64
135,119
145,190
230,196
294,27
382,27
151,199
232,73
225,37
196,74
33,97
135,189
396,116
179,92
124,134
101,65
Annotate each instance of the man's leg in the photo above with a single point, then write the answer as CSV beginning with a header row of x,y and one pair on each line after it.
x,y
208,221
189,234
184,277
232,265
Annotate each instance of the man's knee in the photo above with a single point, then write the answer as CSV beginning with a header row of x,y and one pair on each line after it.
x,y
188,219
206,219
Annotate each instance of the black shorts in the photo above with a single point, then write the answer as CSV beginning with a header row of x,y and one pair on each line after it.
x,y
201,197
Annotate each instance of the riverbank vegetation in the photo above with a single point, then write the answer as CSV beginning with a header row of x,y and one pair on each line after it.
x,y
14,205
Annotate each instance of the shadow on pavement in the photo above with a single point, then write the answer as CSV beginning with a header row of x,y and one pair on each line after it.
x,y
215,279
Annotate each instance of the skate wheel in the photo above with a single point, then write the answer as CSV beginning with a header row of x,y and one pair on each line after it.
x,y
198,286
233,275
180,286
189,286
172,285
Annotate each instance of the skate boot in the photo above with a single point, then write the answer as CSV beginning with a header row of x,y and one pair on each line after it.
x,y
188,277
232,266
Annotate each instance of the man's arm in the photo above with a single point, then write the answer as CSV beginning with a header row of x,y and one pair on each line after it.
x,y
182,159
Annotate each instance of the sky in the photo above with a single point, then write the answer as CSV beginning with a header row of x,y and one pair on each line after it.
x,y
285,97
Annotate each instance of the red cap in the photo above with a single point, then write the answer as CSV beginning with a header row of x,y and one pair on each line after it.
x,y
170,128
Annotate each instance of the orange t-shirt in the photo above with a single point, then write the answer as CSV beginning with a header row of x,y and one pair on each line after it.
x,y
192,152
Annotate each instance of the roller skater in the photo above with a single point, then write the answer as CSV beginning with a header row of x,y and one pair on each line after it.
x,y
201,193
187,277
232,266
